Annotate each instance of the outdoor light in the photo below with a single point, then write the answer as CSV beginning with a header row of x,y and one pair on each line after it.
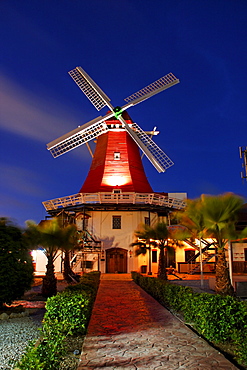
x,y
116,180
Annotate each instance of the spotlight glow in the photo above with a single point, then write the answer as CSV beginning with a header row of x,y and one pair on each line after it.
x,y
116,180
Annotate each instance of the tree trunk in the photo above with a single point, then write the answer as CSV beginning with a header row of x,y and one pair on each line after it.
x,y
223,284
49,287
67,271
162,264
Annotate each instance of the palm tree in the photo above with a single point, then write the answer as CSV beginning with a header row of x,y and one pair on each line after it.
x,y
191,220
158,237
143,243
192,226
52,237
220,217
71,238
213,217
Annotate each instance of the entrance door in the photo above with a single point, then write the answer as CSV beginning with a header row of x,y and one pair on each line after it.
x,y
116,260
171,258
189,253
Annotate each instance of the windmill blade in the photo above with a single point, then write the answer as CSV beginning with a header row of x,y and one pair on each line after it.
x,y
154,88
92,91
96,127
157,156
79,136
151,134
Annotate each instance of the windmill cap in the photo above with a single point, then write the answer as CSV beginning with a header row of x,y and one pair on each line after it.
x,y
125,116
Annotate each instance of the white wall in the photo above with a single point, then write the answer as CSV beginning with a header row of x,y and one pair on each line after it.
x,y
181,196
40,261
100,226
238,251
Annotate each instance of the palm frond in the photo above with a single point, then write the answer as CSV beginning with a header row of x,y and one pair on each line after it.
x,y
140,250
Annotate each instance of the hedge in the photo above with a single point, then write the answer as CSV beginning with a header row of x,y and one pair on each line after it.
x,y
67,314
221,320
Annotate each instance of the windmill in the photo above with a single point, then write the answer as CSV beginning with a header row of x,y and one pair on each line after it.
x,y
116,161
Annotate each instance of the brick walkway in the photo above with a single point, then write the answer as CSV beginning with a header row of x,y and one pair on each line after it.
x,y
130,330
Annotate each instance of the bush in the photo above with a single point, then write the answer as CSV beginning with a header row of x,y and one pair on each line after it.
x,y
221,320
48,351
31,360
15,263
67,314
88,283
70,309
216,317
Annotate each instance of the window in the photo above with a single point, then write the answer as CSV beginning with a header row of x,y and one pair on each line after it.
x,y
88,264
116,156
147,221
154,256
116,222
84,224
245,254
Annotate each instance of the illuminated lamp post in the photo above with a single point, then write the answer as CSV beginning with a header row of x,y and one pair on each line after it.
x,y
149,261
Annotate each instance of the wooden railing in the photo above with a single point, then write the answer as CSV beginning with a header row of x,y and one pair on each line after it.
x,y
239,266
112,198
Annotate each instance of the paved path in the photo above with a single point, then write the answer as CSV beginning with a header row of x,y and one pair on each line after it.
x,y
130,330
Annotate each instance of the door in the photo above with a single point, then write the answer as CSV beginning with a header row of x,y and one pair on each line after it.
x,y
189,254
116,260
171,258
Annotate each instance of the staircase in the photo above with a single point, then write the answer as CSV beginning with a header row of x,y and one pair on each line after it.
x,y
207,256
87,244
78,257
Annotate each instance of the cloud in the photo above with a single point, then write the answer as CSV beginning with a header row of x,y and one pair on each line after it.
x,y
31,115
20,209
19,181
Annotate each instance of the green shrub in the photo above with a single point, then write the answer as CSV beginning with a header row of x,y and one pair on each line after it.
x,y
52,347
88,283
70,309
31,359
67,313
219,319
15,263
47,353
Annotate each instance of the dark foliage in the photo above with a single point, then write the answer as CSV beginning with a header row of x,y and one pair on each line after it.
x,y
16,269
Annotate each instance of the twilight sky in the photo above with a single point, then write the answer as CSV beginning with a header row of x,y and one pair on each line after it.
x,y
123,45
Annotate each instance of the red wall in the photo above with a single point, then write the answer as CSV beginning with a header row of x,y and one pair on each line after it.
x,y
129,168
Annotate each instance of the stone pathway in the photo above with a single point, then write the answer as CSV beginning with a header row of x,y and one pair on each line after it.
x,y
130,330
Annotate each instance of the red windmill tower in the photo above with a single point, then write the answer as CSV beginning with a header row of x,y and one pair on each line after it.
x,y
116,162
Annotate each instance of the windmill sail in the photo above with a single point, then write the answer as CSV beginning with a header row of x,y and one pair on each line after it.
x,y
77,137
92,91
154,88
98,126
160,157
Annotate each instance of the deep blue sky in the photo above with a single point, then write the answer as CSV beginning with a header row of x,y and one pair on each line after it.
x,y
123,45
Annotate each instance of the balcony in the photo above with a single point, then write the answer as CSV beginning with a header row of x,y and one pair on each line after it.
x,y
113,198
